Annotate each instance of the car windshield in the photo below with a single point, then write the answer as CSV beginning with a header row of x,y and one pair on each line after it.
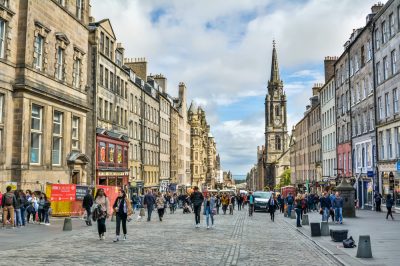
x,y
262,195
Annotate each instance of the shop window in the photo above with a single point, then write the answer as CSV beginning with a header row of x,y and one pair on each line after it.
x,y
111,153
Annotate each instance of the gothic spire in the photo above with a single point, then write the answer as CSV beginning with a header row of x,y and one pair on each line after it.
x,y
274,65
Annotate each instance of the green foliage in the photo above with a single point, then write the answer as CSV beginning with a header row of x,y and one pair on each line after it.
x,y
285,179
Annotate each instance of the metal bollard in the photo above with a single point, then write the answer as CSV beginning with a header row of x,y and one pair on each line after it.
x,y
304,220
364,247
325,229
67,224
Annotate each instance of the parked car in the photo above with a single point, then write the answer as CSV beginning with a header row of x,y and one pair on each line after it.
x,y
261,199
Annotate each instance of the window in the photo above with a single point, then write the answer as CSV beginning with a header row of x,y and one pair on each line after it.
x,y
102,42
57,138
111,81
118,58
100,108
389,143
106,113
372,119
393,60
382,145
278,143
380,107
387,104
77,73
61,2
2,38
38,56
378,72
79,9
75,132
60,63
385,68
277,113
362,53
377,39
391,28
397,136
395,101
4,3
369,47
106,79
385,32
1,120
36,134
107,52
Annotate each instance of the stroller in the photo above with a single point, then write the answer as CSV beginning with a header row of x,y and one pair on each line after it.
x,y
186,208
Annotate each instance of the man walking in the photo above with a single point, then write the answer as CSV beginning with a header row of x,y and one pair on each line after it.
x,y
251,203
87,205
289,202
149,202
326,205
338,205
197,199
8,203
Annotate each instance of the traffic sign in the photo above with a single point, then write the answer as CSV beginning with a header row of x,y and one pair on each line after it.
x,y
370,173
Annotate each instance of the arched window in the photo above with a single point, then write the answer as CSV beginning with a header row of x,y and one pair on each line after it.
x,y
278,142
277,111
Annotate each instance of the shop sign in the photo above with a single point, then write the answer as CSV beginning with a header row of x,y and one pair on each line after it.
x,y
81,192
63,192
398,166
113,173
370,173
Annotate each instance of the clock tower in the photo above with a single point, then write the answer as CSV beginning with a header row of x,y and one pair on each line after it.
x,y
276,134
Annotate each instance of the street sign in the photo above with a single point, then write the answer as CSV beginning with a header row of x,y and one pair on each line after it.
x,y
398,166
370,173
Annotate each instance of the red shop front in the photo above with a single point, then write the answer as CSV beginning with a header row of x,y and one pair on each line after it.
x,y
111,159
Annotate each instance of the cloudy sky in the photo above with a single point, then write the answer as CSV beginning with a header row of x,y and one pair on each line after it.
x,y
222,49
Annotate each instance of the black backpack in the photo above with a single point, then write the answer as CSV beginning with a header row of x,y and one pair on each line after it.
x,y
349,243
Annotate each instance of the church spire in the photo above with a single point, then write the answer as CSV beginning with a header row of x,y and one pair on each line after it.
x,y
274,65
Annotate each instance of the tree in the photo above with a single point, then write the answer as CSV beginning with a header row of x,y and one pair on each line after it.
x,y
285,179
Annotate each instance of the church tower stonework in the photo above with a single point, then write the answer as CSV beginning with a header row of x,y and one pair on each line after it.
x,y
277,157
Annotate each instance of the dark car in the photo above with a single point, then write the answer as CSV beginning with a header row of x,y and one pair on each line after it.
x,y
261,199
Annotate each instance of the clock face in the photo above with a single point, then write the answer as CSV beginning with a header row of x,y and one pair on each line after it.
x,y
277,121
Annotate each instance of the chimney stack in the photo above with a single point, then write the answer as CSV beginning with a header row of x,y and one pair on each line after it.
x,y
329,67
376,8
139,66
162,81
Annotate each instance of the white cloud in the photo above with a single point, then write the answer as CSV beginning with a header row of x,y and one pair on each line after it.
x,y
230,60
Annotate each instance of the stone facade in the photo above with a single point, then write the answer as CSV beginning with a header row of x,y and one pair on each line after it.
x,y
276,134
44,102
174,129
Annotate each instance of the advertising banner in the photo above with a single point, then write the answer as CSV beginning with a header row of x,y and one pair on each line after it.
x,y
81,191
63,192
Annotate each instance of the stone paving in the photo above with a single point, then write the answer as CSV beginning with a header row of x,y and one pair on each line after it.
x,y
236,240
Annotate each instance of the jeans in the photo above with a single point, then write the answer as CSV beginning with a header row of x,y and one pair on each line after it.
x,y
28,216
217,209
23,215
289,210
298,212
197,209
88,215
325,214
120,218
251,209
239,206
17,221
101,226
272,213
208,215
149,211
46,216
8,210
224,208
160,213
338,214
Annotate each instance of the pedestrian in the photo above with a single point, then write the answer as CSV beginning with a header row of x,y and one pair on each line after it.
x,y
197,199
272,206
298,209
289,202
123,209
17,209
160,204
45,210
331,210
239,201
231,204
149,202
250,199
87,204
338,205
172,203
224,202
281,203
326,205
8,204
389,205
217,202
100,212
209,209
378,201
32,208
135,201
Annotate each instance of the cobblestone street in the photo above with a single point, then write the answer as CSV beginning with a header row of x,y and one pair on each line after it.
x,y
236,240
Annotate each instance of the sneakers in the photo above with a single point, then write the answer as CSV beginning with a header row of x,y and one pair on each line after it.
x,y
116,239
124,238
47,224
208,227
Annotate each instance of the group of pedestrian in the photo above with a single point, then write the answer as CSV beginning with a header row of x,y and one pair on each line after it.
x,y
20,208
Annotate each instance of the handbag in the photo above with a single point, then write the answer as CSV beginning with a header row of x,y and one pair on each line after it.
x,y
349,243
321,211
214,211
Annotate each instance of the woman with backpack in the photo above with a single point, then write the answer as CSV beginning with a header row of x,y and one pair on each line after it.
x,y
122,209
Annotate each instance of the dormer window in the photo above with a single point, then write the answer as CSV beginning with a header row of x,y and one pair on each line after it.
x,y
118,58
